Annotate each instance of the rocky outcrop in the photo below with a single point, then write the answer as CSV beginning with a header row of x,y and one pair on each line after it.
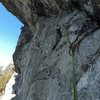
x,y
42,57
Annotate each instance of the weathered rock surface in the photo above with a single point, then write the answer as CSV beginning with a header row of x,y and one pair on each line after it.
x,y
42,55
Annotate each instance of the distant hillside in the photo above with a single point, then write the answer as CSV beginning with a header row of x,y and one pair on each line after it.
x,y
5,75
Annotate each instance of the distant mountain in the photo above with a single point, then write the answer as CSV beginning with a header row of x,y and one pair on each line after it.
x,y
9,66
1,68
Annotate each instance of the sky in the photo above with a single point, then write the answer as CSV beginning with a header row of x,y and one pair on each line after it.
x,y
9,33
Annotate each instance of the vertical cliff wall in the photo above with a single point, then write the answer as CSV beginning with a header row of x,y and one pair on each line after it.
x,y
42,57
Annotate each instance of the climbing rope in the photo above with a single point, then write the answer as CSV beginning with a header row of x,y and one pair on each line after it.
x,y
72,54
81,35
74,78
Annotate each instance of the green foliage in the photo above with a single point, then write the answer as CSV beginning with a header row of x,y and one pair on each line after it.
x,y
4,78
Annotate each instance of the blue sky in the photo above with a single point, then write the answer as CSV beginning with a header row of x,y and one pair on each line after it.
x,y
9,33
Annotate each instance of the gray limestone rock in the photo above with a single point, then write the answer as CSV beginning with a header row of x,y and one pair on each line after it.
x,y
42,58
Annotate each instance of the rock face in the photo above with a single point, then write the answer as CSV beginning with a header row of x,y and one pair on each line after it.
x,y
42,57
